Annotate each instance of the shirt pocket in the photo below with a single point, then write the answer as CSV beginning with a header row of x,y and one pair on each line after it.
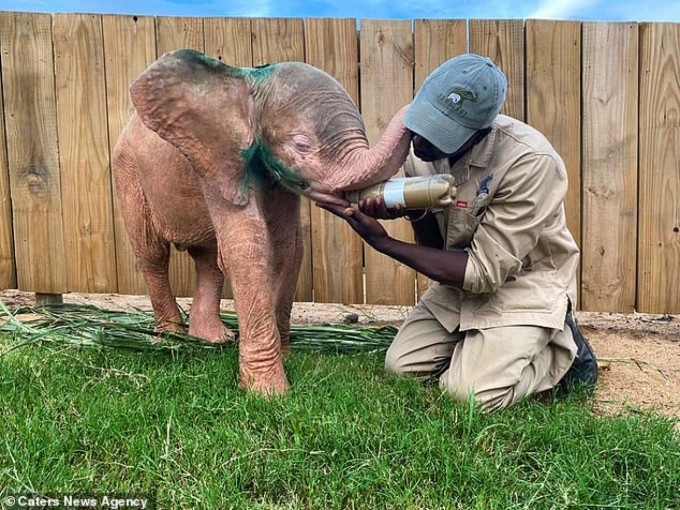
x,y
462,224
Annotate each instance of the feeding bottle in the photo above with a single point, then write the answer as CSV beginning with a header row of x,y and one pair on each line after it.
x,y
410,192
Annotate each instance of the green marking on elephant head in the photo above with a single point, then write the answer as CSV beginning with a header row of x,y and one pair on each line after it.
x,y
261,72
203,60
262,165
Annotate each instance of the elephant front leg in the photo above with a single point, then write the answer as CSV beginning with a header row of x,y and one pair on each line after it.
x,y
244,254
286,232
205,321
260,356
286,285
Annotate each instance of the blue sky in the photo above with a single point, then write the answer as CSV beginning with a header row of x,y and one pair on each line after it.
x,y
587,10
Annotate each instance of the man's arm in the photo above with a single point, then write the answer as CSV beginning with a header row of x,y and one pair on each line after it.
x,y
426,229
447,267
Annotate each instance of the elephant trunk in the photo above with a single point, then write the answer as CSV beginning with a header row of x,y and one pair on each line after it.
x,y
369,166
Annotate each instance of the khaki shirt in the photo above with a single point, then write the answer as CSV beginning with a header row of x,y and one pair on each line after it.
x,y
509,217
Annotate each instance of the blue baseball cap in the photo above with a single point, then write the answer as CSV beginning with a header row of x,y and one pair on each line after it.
x,y
462,96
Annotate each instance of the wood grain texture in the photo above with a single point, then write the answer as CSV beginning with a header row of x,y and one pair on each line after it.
x,y
31,132
282,40
553,61
386,55
277,40
229,40
129,48
86,187
8,273
659,193
610,144
553,68
337,260
436,41
586,105
503,42
175,33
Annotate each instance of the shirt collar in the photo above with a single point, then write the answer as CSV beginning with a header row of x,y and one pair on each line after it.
x,y
480,154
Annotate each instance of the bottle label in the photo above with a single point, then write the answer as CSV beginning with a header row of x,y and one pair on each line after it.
x,y
394,193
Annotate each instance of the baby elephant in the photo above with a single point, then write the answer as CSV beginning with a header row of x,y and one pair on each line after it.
x,y
214,161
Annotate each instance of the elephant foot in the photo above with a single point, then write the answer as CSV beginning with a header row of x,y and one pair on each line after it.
x,y
285,348
212,331
170,327
269,384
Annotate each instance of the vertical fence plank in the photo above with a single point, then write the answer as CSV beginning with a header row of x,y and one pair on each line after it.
x,y
129,48
8,278
278,40
331,45
176,33
503,42
386,55
610,118
229,40
659,194
282,40
553,64
31,124
83,153
435,42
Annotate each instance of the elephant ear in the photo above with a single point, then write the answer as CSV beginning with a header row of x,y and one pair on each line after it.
x,y
204,108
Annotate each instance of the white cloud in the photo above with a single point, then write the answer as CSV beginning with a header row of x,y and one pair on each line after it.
x,y
563,9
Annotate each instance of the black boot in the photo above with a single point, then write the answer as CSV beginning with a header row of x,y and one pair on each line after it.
x,y
583,370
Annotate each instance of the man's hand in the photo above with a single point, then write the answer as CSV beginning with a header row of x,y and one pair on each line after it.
x,y
366,226
447,267
376,208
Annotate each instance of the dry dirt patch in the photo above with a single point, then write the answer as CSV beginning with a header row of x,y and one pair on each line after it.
x,y
639,353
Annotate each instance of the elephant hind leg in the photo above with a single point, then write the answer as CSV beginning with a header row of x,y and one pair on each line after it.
x,y
150,249
166,311
204,321
153,256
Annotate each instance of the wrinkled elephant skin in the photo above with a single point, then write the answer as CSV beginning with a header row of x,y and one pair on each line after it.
x,y
214,161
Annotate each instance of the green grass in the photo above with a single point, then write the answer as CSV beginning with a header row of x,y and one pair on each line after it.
x,y
173,423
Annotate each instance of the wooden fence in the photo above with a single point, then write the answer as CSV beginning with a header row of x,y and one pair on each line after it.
x,y
607,95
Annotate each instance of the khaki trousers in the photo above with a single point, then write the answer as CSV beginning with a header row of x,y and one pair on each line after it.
x,y
497,366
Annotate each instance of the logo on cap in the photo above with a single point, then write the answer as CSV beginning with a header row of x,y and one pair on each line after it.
x,y
456,95
454,100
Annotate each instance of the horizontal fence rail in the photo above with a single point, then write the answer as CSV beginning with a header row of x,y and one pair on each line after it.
x,y
607,95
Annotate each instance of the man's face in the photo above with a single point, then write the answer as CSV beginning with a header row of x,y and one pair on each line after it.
x,y
424,150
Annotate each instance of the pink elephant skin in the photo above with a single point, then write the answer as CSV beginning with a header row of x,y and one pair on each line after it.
x,y
214,160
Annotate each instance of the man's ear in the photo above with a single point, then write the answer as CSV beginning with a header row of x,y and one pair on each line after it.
x,y
205,109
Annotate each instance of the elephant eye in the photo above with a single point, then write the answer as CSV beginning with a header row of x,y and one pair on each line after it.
x,y
302,143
